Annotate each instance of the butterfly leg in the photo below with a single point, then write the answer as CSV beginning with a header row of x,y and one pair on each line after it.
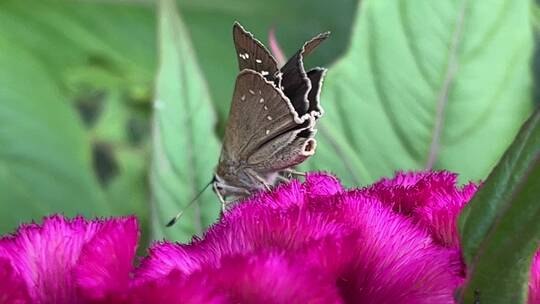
x,y
287,174
294,172
223,190
220,197
257,178
283,179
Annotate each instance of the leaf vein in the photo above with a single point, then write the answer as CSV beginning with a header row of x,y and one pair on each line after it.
x,y
442,99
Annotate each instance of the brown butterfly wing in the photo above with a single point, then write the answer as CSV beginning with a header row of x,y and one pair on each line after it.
x,y
253,55
278,156
259,113
272,118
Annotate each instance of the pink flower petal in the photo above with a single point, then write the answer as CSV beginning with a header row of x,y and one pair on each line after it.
x,y
166,257
410,190
106,261
387,258
255,278
12,288
269,278
247,228
432,199
173,289
322,184
45,255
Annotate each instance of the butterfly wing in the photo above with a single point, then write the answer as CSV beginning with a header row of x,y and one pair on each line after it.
x,y
272,117
259,112
281,152
303,89
297,84
253,55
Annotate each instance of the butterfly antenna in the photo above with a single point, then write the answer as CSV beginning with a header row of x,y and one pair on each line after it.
x,y
179,214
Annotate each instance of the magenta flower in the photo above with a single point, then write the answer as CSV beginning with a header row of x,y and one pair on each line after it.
x,y
311,242
68,261
264,277
432,199
12,289
365,251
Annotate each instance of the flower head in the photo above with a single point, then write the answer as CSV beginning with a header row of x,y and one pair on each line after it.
x,y
12,289
262,277
430,198
66,261
367,252
310,242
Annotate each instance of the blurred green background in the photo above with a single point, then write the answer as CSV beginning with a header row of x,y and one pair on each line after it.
x,y
413,84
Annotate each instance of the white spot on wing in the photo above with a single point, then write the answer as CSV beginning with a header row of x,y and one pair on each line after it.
x,y
258,60
265,107
267,132
261,100
243,97
264,73
252,92
269,117
246,55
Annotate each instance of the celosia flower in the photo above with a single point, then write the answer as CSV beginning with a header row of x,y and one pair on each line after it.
x,y
430,198
366,251
264,277
434,200
311,242
12,287
68,261
268,220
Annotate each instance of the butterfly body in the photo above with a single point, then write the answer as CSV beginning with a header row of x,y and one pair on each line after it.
x,y
272,118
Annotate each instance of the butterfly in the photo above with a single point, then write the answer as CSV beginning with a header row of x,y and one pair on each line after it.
x,y
272,119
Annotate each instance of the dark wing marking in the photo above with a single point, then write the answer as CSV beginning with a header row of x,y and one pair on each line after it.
x,y
316,77
295,82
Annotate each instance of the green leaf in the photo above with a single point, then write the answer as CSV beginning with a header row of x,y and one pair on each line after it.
x,y
44,152
123,162
127,193
67,34
89,54
185,149
427,84
499,228
101,32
